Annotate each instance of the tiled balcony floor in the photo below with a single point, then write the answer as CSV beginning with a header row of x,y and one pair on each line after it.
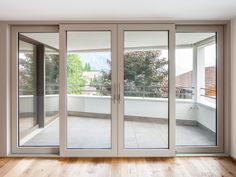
x,y
95,133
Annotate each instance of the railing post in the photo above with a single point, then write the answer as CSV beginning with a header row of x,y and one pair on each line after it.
x,y
143,91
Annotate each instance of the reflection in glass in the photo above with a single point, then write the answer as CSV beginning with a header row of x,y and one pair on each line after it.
x,y
51,84
38,100
27,89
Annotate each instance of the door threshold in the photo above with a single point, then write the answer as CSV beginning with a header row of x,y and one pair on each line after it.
x,y
202,155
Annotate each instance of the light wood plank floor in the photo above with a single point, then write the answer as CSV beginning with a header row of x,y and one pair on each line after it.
x,y
118,167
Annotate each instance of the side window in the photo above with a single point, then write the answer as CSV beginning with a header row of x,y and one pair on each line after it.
x,y
38,90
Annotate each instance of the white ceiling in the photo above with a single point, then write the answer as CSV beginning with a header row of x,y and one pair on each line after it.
x,y
83,41
117,9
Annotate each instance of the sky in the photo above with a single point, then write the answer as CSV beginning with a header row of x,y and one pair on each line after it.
x,y
184,59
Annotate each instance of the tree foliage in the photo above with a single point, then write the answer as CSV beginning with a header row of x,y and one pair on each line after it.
x,y
75,80
144,67
27,74
52,73
87,67
28,77
144,72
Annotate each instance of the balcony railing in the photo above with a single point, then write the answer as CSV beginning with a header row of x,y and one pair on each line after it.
x,y
103,90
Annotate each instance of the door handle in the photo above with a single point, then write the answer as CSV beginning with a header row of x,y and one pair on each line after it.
x,y
119,97
114,94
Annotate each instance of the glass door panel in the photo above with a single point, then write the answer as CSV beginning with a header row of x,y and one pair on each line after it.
x,y
34,109
38,96
146,89
145,106
199,89
27,89
89,118
89,89
196,85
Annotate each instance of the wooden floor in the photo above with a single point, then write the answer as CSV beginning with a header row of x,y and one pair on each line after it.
x,y
118,167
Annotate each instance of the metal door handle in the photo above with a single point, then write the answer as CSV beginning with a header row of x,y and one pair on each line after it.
x,y
114,94
119,93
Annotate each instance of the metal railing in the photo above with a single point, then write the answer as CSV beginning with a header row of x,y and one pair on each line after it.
x,y
132,91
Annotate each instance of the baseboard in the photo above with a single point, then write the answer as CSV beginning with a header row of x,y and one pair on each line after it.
x,y
205,128
133,118
31,114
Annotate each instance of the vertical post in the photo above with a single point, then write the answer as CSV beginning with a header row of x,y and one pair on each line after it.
x,y
200,72
40,85
144,89
194,76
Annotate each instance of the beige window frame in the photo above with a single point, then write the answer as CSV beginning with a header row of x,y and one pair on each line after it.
x,y
219,148
15,148
170,151
117,83
64,151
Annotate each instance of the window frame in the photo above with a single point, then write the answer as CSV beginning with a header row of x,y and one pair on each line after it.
x,y
219,148
15,148
55,150
170,151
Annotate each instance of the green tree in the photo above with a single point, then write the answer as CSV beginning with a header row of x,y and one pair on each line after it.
x,y
27,74
145,72
75,80
52,73
87,67
93,81
142,70
144,67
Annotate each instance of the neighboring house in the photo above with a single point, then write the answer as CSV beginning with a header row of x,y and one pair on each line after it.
x,y
88,76
185,80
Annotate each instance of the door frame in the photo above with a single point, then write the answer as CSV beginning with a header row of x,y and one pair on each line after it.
x,y
15,148
171,75
64,151
219,30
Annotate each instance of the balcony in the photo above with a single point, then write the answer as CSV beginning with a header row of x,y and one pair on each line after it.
x,y
146,119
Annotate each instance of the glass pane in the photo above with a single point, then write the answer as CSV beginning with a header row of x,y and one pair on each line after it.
x,y
196,83
27,89
146,89
184,80
89,89
38,107
51,85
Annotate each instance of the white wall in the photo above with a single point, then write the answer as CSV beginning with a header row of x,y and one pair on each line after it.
x,y
233,88
144,107
133,106
206,115
27,105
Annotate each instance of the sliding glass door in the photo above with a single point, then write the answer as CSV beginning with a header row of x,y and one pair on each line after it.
x,y
118,106
145,104
92,90
199,86
88,66
35,89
